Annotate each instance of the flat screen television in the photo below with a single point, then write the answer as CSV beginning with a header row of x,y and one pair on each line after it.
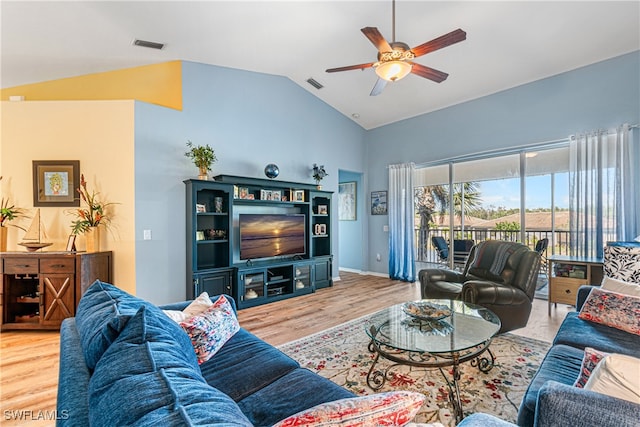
x,y
271,235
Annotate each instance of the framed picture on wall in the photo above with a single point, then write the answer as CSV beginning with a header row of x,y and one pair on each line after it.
x,y
55,183
347,201
378,203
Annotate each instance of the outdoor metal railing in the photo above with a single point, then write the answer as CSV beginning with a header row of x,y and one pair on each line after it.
x,y
425,251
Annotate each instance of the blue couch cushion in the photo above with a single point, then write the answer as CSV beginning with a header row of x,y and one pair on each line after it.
x,y
234,368
561,364
296,391
102,313
150,376
580,333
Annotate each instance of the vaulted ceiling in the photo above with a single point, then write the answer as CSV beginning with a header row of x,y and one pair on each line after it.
x,y
509,43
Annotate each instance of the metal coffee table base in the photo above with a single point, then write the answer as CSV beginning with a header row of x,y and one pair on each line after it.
x,y
376,377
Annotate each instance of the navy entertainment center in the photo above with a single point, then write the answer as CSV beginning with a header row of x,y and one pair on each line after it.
x,y
258,240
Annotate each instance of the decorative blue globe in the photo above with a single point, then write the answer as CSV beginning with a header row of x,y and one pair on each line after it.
x,y
271,170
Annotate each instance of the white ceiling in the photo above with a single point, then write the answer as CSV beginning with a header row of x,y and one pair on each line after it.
x,y
509,43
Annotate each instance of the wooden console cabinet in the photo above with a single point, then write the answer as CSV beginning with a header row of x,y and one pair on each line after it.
x,y
41,289
567,274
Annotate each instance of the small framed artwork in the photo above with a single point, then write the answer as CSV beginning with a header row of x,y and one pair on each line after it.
x,y
378,203
297,195
55,183
322,229
276,195
200,208
243,192
200,235
322,209
347,201
71,243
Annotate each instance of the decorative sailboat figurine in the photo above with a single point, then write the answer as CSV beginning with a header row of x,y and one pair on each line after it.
x,y
31,240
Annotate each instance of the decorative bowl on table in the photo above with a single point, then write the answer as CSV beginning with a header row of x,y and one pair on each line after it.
x,y
425,310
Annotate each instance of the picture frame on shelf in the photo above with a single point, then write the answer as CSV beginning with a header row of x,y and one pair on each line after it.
x,y
71,243
322,209
266,195
276,195
55,183
378,203
297,195
200,208
243,192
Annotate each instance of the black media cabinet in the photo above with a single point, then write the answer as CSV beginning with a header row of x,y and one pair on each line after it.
x,y
213,239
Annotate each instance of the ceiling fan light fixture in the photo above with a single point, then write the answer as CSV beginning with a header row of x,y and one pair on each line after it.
x,y
393,70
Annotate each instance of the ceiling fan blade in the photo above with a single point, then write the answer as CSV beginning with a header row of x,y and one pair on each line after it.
x,y
350,67
440,42
429,73
378,87
376,38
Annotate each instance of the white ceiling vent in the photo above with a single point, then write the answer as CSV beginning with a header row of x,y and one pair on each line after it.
x,y
314,83
150,45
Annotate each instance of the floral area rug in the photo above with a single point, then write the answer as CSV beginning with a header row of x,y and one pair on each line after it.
x,y
341,354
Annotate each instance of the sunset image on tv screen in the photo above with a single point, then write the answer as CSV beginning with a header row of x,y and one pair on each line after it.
x,y
269,235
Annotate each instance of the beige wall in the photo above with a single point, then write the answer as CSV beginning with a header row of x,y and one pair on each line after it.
x,y
100,134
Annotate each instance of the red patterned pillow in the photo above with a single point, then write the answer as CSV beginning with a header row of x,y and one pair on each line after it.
x,y
395,408
612,309
589,362
211,329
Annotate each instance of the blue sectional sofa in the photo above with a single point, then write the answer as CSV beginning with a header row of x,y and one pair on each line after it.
x,y
123,361
551,399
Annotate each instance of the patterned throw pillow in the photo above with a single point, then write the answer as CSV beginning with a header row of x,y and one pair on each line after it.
x,y
612,309
210,330
589,362
396,408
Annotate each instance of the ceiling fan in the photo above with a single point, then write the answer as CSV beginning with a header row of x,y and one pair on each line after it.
x,y
395,58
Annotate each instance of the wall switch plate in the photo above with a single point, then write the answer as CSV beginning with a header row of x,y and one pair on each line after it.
x,y
385,228
146,234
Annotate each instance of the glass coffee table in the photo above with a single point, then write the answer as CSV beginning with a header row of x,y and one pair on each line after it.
x,y
432,334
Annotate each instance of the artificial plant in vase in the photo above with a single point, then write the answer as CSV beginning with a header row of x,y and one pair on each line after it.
x,y
203,157
8,213
91,214
318,174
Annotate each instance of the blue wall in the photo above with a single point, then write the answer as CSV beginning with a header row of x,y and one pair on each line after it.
x,y
602,95
250,120
352,233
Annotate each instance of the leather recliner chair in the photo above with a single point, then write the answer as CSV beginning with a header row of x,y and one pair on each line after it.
x,y
498,275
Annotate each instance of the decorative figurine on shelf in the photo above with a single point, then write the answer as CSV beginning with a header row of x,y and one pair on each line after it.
x,y
318,174
271,170
203,158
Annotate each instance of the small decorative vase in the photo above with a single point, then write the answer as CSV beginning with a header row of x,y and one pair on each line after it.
x,y
92,238
203,173
318,186
3,239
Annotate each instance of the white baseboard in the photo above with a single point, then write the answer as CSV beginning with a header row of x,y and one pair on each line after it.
x,y
364,273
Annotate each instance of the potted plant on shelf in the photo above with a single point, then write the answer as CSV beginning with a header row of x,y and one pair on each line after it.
x,y
318,174
203,157
8,213
90,217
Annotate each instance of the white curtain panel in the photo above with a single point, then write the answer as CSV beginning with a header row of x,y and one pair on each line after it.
x,y
401,223
601,197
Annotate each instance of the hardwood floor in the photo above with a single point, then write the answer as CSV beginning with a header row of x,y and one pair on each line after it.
x,y
29,359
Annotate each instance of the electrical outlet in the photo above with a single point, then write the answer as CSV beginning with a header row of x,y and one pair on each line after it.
x,y
378,257
146,234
